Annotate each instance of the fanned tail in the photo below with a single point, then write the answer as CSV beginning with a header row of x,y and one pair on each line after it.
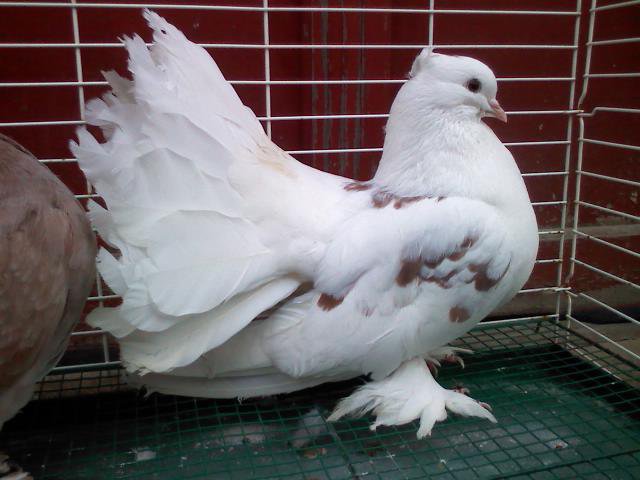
x,y
192,269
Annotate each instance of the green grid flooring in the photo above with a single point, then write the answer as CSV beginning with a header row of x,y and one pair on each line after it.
x,y
564,411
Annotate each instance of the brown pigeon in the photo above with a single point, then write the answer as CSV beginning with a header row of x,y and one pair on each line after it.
x,y
47,268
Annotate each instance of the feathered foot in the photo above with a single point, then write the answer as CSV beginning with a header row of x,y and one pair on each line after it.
x,y
407,394
467,392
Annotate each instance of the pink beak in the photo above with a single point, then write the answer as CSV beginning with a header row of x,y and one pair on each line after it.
x,y
497,110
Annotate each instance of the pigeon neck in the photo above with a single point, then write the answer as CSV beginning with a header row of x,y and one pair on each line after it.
x,y
439,152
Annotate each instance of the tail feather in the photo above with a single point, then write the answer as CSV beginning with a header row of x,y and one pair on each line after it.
x,y
231,387
110,271
108,319
193,268
185,341
191,65
120,88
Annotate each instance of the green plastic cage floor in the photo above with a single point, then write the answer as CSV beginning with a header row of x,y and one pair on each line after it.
x,y
565,407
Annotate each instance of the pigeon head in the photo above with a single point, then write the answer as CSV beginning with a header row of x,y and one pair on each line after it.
x,y
453,82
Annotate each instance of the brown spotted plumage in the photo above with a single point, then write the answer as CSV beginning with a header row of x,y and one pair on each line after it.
x,y
401,202
433,263
461,251
481,279
409,271
357,186
454,256
459,314
443,281
328,302
430,270
382,198
457,255
47,254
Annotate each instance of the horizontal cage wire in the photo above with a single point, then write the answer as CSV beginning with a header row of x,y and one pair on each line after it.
x,y
566,392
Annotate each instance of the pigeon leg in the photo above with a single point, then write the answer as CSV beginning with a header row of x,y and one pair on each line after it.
x,y
407,394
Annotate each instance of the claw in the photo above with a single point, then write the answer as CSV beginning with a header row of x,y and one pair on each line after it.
x,y
461,389
466,391
433,364
453,358
447,355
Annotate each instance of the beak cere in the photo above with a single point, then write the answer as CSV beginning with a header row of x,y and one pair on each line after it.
x,y
497,110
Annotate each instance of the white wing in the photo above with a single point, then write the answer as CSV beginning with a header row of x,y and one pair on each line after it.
x,y
445,241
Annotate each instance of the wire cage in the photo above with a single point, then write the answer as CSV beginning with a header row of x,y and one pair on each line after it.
x,y
561,375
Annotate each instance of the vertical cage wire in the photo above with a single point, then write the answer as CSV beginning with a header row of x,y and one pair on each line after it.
x,y
567,160
267,65
267,46
81,108
583,140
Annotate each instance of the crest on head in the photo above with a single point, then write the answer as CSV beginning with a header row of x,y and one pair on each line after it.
x,y
421,60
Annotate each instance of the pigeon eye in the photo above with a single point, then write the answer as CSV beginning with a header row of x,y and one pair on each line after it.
x,y
474,85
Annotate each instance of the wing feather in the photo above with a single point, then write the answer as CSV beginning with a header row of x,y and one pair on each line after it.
x,y
186,341
455,234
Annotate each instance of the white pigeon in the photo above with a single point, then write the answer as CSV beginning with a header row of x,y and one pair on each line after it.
x,y
246,273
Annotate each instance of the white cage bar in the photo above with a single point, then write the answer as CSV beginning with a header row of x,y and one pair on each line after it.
x,y
583,141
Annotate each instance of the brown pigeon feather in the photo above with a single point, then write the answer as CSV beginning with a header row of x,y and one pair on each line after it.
x,y
47,268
